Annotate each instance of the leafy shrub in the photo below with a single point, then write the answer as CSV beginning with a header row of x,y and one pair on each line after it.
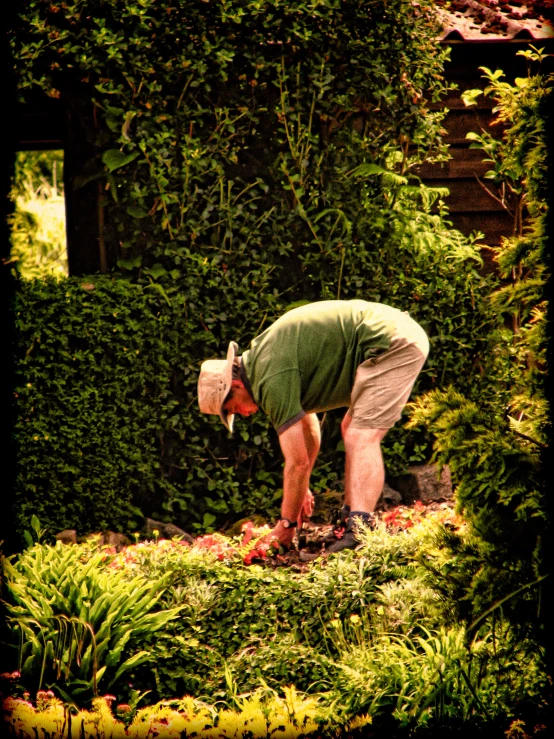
x,y
76,621
252,156
437,680
282,659
497,452
89,394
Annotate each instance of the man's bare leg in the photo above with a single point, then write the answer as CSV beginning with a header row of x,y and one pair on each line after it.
x,y
364,476
346,421
365,470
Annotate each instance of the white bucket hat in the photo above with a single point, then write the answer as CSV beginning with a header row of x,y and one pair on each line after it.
x,y
214,384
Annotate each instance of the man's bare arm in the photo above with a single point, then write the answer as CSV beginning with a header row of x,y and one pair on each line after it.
x,y
312,436
300,445
298,466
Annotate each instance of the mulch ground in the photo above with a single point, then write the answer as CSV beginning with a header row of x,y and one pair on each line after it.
x,y
311,541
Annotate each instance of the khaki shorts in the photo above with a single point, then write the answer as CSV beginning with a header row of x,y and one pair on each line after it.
x,y
383,384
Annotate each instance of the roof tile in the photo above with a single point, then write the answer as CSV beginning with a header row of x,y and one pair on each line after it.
x,y
496,20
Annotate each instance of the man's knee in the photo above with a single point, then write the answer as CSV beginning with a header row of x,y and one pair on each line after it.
x,y
354,438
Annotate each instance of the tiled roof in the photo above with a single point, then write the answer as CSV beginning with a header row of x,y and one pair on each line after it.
x,y
496,20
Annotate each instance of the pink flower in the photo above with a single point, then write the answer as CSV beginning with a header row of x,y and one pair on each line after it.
x,y
247,528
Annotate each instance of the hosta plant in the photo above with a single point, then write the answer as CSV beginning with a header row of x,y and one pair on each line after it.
x,y
75,624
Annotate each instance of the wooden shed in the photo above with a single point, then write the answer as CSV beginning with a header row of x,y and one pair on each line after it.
x,y
482,33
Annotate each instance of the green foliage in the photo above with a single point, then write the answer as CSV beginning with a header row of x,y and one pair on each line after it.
x,y
79,460
252,156
360,633
500,489
38,222
519,158
235,614
78,624
496,450
436,680
225,135
82,618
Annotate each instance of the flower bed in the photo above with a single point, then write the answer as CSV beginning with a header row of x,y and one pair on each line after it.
x,y
258,716
254,546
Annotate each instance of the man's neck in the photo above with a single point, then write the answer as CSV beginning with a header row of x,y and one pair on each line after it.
x,y
244,378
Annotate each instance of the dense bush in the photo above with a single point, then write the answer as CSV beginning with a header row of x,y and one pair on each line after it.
x,y
252,156
497,452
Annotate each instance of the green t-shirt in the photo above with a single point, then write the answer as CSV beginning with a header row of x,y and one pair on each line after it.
x,y
306,361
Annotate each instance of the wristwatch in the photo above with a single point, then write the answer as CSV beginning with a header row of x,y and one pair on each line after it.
x,y
287,523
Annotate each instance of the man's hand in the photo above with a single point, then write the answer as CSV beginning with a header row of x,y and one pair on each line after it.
x,y
283,535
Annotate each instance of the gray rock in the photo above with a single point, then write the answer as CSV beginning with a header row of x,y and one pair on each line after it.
x,y
327,506
422,482
167,530
67,536
390,496
113,539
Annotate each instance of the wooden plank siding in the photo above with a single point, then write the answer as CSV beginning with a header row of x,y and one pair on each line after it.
x,y
471,207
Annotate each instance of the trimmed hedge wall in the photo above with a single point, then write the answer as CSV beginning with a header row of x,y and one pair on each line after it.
x,y
108,426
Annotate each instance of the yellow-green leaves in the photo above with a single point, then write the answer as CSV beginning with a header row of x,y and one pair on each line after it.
x,y
79,619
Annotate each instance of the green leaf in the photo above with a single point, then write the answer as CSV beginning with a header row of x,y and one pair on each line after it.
x,y
469,97
131,263
136,211
156,271
134,661
115,159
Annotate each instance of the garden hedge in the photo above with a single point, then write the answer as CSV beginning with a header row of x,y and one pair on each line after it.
x,y
108,427
252,155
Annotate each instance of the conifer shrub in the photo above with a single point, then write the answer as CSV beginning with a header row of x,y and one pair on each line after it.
x,y
497,451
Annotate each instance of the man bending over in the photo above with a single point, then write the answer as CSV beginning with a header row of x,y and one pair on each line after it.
x,y
329,354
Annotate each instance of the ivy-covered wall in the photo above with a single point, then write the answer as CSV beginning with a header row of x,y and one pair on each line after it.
x,y
234,126
252,155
